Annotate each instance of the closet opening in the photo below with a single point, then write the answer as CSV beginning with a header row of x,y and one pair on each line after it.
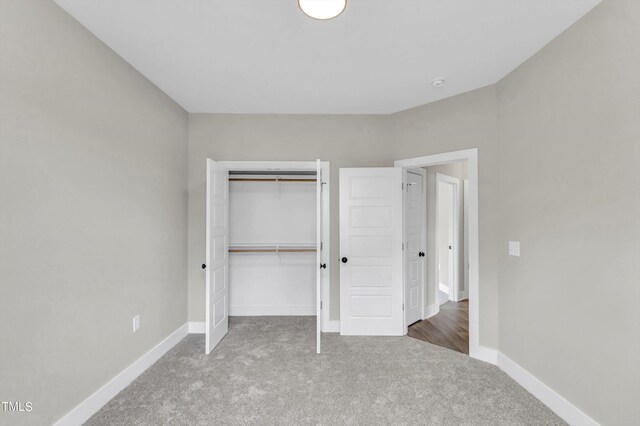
x,y
275,244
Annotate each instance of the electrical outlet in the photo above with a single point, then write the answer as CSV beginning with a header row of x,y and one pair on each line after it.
x,y
514,248
136,323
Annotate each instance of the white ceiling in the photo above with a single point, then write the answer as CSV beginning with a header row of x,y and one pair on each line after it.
x,y
378,57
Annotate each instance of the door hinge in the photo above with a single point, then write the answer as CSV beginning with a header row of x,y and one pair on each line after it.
x,y
320,245
402,246
403,306
321,304
403,186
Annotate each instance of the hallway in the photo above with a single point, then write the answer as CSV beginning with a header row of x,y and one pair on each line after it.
x,y
449,328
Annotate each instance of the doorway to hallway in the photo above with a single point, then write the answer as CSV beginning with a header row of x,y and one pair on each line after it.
x,y
450,281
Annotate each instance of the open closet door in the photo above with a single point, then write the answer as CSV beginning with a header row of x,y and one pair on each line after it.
x,y
371,284
415,222
217,288
321,266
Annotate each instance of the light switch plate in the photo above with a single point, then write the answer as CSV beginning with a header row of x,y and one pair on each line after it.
x,y
136,323
514,248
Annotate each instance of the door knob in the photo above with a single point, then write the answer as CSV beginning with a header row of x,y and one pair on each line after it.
x,y
204,266
421,254
344,260
323,266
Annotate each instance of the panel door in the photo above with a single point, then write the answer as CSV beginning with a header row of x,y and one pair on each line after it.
x,y
319,264
217,266
371,281
414,254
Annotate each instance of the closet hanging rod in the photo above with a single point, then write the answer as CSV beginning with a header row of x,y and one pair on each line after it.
x,y
271,180
309,250
272,248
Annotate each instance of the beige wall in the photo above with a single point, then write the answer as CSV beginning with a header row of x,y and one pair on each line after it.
x,y
345,141
461,122
93,212
569,128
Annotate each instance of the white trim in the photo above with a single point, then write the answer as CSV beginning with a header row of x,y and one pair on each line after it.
x,y
270,165
332,326
99,398
454,279
563,408
431,310
464,294
196,327
438,159
484,353
471,155
266,310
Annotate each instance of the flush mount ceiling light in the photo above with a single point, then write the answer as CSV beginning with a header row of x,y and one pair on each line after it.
x,y
322,9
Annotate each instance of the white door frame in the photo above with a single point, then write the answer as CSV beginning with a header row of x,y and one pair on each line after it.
x,y
454,265
464,294
285,166
471,156
422,243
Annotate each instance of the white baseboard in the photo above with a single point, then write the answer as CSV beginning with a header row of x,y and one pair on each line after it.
x,y
563,408
443,297
333,326
196,327
484,353
257,311
99,398
431,310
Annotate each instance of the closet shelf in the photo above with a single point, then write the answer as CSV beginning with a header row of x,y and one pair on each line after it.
x,y
272,248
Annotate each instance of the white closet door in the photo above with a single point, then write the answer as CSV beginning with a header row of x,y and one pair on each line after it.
x,y
217,266
371,294
319,265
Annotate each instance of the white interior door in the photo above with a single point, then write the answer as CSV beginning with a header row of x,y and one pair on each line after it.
x,y
217,266
319,265
414,253
371,299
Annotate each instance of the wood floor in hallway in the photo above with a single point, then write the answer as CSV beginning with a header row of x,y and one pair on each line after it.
x,y
449,328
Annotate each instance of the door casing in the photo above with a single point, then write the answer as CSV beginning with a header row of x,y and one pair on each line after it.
x,y
471,156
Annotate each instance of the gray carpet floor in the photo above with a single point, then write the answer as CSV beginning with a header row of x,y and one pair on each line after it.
x,y
266,372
